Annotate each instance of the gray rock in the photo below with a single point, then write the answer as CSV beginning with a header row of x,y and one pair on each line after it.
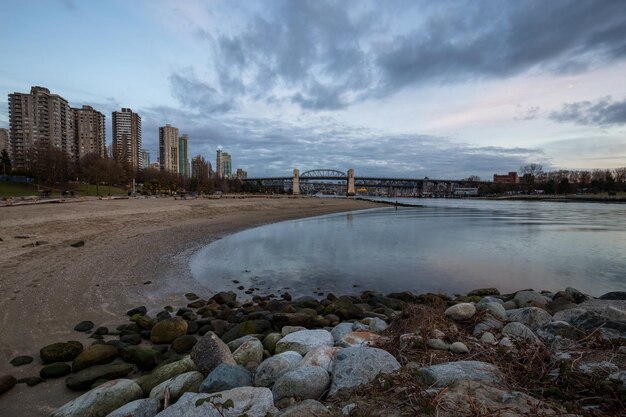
x,y
165,372
84,379
269,342
357,325
619,379
495,309
147,407
576,295
270,369
340,330
603,368
490,299
530,299
615,295
102,400
458,347
226,377
306,408
355,366
509,305
290,329
519,331
409,340
506,342
552,330
251,401
486,325
304,340
461,311
250,351
209,352
375,324
531,317
177,386
238,342
304,382
488,338
569,315
446,373
322,356
437,344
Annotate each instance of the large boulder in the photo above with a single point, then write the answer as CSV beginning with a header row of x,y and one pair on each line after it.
x,y
322,356
250,351
614,295
495,309
529,298
226,377
102,400
306,408
177,386
166,331
147,407
304,341
94,355
304,382
461,311
163,373
532,317
61,352
340,330
355,366
445,373
272,368
84,379
519,331
209,352
248,401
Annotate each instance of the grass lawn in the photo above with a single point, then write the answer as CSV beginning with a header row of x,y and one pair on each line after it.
x,y
16,189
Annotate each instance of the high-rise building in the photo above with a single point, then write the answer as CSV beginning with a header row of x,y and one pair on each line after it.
x,y
39,118
145,159
183,156
223,164
127,138
5,144
168,148
89,132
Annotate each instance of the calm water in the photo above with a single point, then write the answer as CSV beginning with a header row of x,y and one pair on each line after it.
x,y
448,246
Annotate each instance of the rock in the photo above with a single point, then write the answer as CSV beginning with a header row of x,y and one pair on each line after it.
x,y
249,401
184,344
375,324
509,305
306,408
615,295
340,330
344,308
531,317
269,342
30,381
322,356
209,352
272,368
294,319
506,342
358,338
437,344
519,331
411,340
6,383
144,358
355,366
488,338
163,373
165,331
226,377
224,297
61,352
131,339
446,373
250,351
598,368
84,326
481,292
147,407
458,347
290,329
102,400
304,382
569,315
495,309
77,244
530,299
490,299
550,331
486,325
94,355
21,360
461,311
55,370
177,386
576,295
137,310
84,379
101,331
619,379
234,345
247,328
304,341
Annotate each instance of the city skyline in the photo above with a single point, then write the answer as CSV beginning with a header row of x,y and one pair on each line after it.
x,y
408,89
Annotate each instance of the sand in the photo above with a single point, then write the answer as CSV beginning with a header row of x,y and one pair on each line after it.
x,y
46,288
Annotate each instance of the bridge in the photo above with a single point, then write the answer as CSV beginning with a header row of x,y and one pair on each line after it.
x,y
332,181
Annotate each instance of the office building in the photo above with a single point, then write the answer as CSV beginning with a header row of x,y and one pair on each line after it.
x,y
510,178
39,118
223,164
145,159
168,148
183,156
127,138
89,132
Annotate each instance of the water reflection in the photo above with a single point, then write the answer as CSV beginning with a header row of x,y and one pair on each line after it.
x,y
448,246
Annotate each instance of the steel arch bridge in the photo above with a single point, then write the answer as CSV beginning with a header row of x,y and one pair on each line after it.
x,y
323,174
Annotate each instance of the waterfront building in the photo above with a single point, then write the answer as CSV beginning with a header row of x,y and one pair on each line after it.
x,y
241,174
168,148
145,159
510,178
39,118
89,132
4,140
183,155
223,164
127,138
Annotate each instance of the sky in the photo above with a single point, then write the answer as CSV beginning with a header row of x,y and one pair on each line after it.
x,y
405,88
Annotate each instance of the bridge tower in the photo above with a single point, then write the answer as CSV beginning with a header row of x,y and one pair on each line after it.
x,y
296,181
351,191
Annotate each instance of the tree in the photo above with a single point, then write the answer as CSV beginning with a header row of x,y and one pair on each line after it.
x,y
48,163
5,161
535,170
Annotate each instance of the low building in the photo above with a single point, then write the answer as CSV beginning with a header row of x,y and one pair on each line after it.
x,y
241,174
510,178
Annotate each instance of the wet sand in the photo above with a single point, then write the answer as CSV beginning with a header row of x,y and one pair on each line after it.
x,y
47,286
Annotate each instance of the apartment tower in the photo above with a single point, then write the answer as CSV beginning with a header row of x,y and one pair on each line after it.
x,y
183,156
126,144
89,130
39,118
223,164
168,148
145,159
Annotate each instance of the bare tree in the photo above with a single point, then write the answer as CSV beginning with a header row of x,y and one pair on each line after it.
x,y
535,170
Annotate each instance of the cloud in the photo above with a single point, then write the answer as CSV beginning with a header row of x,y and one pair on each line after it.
x,y
603,112
530,113
196,94
327,55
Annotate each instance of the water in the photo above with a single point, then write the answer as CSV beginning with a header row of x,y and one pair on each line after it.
x,y
449,246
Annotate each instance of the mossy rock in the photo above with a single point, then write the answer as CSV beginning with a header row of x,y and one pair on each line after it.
x,y
167,330
94,355
21,360
61,352
246,328
184,344
55,370
144,358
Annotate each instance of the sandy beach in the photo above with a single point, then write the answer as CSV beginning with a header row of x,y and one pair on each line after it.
x,y
47,286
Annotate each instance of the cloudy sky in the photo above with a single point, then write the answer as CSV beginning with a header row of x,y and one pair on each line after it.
x,y
397,87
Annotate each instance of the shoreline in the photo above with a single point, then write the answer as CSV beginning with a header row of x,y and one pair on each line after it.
x,y
126,243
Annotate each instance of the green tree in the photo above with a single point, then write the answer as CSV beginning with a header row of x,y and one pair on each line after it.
x,y
5,161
